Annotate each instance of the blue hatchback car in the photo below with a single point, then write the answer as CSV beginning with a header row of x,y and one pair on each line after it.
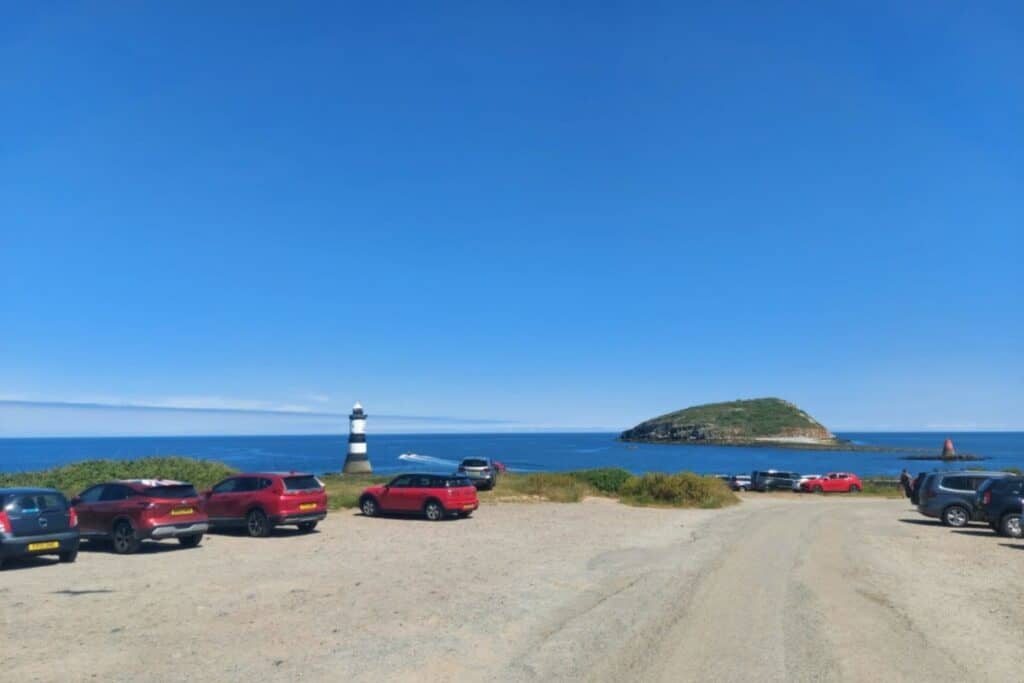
x,y
36,521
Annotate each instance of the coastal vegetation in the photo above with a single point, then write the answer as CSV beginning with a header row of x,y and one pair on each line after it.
x,y
73,478
750,421
343,490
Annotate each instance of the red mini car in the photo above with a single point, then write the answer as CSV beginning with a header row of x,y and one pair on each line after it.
x,y
131,511
833,482
259,501
435,496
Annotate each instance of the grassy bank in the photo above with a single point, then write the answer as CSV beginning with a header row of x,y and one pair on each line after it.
x,y
674,490
75,477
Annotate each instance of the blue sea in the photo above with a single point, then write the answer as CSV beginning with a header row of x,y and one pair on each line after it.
x,y
520,452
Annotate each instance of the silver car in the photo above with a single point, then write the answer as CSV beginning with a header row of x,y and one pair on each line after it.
x,y
481,471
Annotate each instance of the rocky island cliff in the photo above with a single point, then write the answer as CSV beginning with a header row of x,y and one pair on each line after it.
x,y
755,421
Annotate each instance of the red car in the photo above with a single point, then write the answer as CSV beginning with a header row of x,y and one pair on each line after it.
x,y
842,482
131,511
435,496
259,501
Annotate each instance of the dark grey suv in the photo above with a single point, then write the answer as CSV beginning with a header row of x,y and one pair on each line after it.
x,y
773,480
950,496
37,522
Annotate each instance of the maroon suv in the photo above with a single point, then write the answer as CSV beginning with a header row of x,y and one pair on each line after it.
x,y
131,511
259,501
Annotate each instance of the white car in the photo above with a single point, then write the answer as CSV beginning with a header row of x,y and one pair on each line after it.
x,y
802,479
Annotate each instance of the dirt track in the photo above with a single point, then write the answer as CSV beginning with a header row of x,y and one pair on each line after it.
x,y
779,588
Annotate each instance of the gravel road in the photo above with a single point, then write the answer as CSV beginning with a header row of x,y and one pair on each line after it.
x,y
781,588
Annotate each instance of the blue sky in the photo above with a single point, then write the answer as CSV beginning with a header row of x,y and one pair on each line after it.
x,y
491,216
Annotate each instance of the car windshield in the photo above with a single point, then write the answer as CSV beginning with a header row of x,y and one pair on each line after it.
x,y
172,491
301,483
474,462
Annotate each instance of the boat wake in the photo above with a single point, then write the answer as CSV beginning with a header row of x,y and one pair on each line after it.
x,y
428,460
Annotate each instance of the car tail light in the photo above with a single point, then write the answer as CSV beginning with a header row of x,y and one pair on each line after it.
x,y
986,498
72,518
5,523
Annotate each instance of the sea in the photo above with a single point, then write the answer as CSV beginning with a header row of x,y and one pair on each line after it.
x,y
544,452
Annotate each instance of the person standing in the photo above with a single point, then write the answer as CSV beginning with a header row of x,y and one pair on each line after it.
x,y
905,483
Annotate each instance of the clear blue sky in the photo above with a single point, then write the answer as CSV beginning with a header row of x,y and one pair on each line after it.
x,y
549,218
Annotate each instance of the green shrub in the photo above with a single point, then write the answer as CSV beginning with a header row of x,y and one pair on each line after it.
x,y
73,478
605,480
685,489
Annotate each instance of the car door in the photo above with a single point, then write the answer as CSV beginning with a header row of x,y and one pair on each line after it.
x,y
110,506
244,498
394,496
85,508
218,502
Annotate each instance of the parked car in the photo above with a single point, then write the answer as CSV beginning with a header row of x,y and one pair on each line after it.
x,y
481,471
435,496
915,488
802,479
773,480
260,501
999,504
36,521
949,496
128,512
738,482
833,482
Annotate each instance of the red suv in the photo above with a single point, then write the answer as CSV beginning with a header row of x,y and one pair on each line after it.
x,y
833,482
432,495
131,511
259,501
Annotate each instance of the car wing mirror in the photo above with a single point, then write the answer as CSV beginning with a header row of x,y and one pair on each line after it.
x,y
75,500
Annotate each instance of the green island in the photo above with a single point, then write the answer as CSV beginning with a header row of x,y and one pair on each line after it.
x,y
747,422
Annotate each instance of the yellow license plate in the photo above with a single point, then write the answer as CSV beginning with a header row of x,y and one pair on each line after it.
x,y
45,545
176,512
308,506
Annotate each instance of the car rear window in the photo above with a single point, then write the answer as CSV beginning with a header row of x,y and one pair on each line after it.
x,y
474,462
34,502
456,482
303,483
174,491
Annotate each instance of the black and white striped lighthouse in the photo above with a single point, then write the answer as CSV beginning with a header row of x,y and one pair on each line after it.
x,y
357,462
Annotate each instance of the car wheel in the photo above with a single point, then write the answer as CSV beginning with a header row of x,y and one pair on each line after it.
x,y
257,524
306,527
1010,526
124,541
369,507
819,489
190,541
433,511
854,489
68,557
956,515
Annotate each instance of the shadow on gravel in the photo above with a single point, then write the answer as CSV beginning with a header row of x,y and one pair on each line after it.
x,y
1012,545
18,563
145,548
91,591
973,532
278,532
414,517
925,522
